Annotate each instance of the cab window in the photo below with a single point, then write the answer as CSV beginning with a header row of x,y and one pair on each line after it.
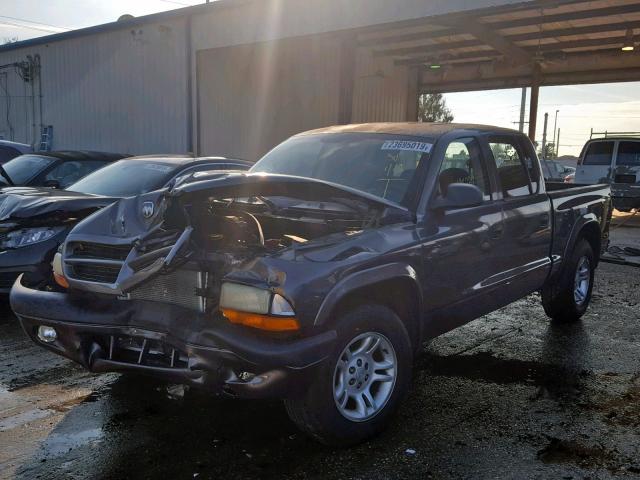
x,y
462,164
512,167
598,153
629,154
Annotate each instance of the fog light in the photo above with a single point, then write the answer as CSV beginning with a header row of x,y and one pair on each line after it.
x,y
47,334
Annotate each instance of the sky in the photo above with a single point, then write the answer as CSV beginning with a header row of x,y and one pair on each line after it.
x,y
612,107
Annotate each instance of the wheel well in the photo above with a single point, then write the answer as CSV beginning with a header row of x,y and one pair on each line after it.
x,y
399,294
591,233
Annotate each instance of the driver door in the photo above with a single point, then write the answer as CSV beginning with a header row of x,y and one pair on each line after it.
x,y
462,245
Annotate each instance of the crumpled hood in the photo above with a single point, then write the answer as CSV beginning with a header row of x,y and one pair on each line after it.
x,y
126,219
270,184
22,203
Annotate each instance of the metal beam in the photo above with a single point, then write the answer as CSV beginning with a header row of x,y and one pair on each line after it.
x,y
433,48
514,53
347,78
534,20
611,63
484,12
544,48
412,94
547,80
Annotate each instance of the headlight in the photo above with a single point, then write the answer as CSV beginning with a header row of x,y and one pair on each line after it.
x,y
257,308
28,236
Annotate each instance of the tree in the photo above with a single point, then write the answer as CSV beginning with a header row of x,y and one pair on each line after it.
x,y
549,151
432,107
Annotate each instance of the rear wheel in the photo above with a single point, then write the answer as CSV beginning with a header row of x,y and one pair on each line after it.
x,y
567,299
361,384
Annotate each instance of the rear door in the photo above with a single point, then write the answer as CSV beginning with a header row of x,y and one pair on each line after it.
x,y
596,162
524,260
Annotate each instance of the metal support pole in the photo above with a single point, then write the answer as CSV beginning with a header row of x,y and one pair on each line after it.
x,y
544,137
533,110
523,104
413,94
558,145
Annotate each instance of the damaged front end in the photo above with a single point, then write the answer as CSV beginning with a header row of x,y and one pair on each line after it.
x,y
33,223
215,283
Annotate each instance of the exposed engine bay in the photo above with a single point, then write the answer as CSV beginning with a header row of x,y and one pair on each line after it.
x,y
210,233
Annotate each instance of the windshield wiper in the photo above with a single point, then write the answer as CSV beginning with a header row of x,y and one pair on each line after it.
x,y
4,173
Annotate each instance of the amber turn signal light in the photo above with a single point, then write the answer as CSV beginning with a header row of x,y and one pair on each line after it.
x,y
60,280
262,322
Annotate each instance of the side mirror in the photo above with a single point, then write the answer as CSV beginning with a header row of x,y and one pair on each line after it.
x,y
460,195
52,184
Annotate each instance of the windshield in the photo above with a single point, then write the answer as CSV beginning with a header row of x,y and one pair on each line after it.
x,y
380,164
25,167
125,178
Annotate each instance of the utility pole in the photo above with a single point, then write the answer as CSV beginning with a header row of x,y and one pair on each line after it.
x,y
555,126
558,144
544,137
523,103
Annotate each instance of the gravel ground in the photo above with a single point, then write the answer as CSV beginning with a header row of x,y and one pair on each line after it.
x,y
507,396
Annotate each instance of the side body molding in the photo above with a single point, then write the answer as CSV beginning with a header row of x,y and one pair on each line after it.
x,y
364,278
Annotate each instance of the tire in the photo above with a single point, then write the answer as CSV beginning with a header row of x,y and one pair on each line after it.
x,y
317,412
560,299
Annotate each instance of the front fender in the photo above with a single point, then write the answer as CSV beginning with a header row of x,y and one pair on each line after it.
x,y
364,278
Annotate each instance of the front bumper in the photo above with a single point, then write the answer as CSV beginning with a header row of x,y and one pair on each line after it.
x,y
171,343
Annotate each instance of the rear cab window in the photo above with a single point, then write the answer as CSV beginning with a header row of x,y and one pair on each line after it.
x,y
598,153
517,170
628,154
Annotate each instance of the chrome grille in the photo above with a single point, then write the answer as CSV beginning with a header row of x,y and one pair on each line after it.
x,y
179,287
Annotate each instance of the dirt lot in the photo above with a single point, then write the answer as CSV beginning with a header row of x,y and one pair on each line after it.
x,y
507,396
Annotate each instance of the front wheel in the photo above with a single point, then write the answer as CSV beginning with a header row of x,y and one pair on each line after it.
x,y
567,299
361,384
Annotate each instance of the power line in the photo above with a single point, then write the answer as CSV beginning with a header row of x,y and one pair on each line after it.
x,y
34,22
41,29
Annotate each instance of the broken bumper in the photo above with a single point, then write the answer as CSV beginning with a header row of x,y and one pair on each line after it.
x,y
171,343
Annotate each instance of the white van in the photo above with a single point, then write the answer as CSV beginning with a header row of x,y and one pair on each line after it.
x,y
616,161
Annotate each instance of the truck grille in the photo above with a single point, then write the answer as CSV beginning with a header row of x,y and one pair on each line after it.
x,y
95,262
96,272
179,287
98,250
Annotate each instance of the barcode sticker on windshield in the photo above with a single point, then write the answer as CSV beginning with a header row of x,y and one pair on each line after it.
x,y
407,145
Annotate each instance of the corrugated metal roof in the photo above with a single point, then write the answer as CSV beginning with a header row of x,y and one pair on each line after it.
x,y
125,24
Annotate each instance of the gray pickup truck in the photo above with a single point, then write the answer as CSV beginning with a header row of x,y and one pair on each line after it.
x,y
317,276
614,160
